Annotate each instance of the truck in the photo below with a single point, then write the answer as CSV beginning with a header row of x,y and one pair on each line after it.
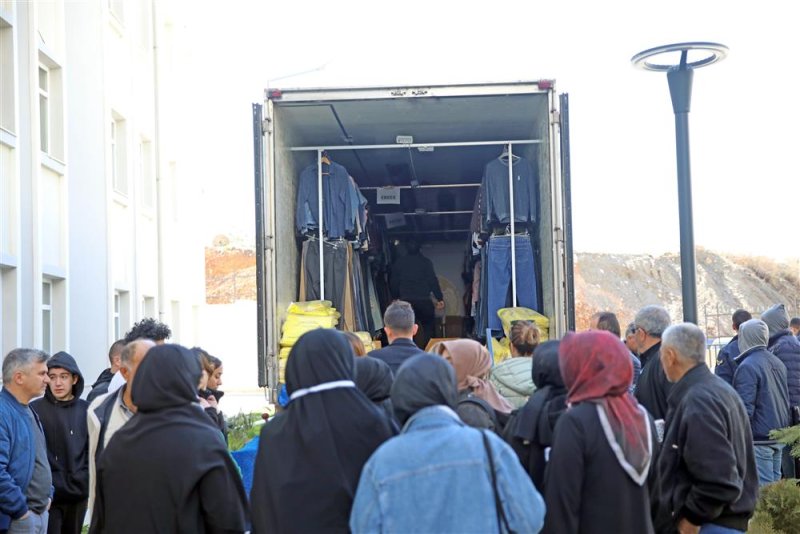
x,y
422,149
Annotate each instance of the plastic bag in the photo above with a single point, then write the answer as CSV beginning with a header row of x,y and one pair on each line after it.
x,y
501,350
508,316
312,307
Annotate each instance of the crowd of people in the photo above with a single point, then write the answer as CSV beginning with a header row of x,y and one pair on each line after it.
x,y
594,432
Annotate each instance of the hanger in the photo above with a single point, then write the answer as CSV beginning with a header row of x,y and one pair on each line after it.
x,y
325,161
504,154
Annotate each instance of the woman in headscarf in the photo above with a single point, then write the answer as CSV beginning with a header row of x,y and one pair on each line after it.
x,y
530,432
439,475
512,377
167,469
596,480
374,378
311,455
480,405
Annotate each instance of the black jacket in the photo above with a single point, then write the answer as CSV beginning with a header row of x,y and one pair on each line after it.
x,y
586,489
167,469
67,436
100,386
787,348
653,387
413,278
396,353
707,469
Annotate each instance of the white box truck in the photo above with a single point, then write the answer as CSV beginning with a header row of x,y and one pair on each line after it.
x,y
430,143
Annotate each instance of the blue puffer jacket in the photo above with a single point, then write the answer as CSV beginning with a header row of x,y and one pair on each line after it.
x,y
760,380
787,348
17,449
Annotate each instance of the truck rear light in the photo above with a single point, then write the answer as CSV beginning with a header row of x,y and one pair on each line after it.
x,y
275,93
545,84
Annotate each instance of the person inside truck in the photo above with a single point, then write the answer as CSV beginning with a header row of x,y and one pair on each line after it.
x,y
413,280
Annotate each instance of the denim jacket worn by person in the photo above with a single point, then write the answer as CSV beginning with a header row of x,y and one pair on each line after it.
x,y
497,209
434,477
17,452
337,205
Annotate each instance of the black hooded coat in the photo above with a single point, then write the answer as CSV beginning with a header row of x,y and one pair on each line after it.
x,y
168,470
530,432
374,378
310,457
67,436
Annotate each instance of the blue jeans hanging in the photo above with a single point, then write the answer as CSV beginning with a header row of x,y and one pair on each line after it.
x,y
498,274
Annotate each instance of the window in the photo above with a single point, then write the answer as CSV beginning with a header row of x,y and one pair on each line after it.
x,y
146,174
47,316
119,177
44,109
148,307
7,82
50,86
117,326
122,313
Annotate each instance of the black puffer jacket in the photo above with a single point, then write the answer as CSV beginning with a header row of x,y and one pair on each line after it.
x,y
67,436
706,469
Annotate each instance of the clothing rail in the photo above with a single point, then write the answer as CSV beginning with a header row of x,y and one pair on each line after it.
x,y
414,145
513,239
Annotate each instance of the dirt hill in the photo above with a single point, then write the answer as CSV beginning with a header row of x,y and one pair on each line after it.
x,y
625,283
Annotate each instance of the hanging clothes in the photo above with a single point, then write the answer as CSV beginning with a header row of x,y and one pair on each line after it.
x,y
496,208
498,276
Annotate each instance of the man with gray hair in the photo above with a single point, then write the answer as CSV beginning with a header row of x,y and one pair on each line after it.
x,y
785,346
760,380
26,484
399,324
653,387
706,470
109,412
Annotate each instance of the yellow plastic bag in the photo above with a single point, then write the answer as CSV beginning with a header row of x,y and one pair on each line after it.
x,y
312,307
501,350
366,339
508,316
297,325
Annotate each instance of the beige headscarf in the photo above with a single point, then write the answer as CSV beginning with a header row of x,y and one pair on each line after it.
x,y
472,364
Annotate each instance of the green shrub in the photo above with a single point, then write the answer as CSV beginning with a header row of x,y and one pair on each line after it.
x,y
778,509
789,436
243,427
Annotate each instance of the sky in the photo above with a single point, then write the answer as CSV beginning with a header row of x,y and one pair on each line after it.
x,y
743,123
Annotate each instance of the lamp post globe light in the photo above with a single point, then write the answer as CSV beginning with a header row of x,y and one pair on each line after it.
x,y
679,77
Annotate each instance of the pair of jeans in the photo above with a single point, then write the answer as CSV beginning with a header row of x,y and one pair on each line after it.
x,y
768,463
497,272
336,258
33,524
711,528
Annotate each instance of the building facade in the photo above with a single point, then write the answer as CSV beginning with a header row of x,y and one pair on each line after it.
x,y
95,217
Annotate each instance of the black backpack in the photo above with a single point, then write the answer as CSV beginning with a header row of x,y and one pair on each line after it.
x,y
478,413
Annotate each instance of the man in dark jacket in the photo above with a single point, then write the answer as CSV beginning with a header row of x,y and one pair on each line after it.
x,y
398,322
760,381
785,346
653,387
413,280
726,365
706,469
63,416
100,386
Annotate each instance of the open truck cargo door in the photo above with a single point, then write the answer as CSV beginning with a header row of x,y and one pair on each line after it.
x,y
566,180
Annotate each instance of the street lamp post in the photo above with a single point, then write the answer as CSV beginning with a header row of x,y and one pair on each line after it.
x,y
679,77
